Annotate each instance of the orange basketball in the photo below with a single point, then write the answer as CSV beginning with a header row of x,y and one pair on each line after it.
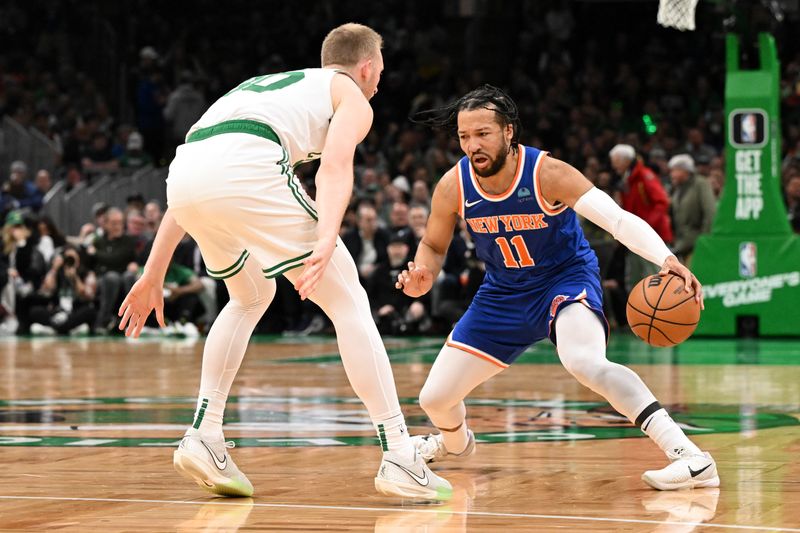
x,y
661,312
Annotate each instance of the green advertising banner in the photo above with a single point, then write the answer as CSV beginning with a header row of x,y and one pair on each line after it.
x,y
750,263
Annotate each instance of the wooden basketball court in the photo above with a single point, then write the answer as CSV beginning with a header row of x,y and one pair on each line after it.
x,y
87,429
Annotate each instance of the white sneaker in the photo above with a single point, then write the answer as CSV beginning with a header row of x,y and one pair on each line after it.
x,y
189,330
80,329
432,449
209,465
410,480
41,329
684,472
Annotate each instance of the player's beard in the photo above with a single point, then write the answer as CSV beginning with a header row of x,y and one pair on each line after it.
x,y
496,164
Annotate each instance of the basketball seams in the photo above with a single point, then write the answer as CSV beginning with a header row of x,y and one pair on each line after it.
x,y
659,331
662,333
654,317
655,307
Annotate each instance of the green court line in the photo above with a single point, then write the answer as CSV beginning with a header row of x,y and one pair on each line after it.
x,y
623,349
713,423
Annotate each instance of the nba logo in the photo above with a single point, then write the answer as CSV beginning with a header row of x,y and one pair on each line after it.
x,y
748,128
747,259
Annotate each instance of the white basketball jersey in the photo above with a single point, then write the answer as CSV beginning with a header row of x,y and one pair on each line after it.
x,y
296,104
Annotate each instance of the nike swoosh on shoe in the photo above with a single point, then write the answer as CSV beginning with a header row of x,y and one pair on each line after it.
x,y
422,480
220,464
696,473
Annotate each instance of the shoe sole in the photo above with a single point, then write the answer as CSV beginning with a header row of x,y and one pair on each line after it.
x,y
689,484
196,470
410,491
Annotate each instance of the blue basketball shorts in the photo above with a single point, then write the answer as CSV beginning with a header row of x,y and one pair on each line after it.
x,y
502,322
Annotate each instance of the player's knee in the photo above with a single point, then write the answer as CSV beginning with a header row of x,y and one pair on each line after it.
x,y
585,367
255,300
590,371
434,399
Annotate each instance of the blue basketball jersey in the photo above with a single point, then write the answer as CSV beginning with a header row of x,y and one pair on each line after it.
x,y
519,236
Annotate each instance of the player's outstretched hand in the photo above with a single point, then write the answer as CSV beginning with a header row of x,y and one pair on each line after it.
x,y
314,268
145,295
689,280
415,281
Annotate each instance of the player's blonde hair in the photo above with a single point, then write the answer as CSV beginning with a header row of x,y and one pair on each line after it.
x,y
349,43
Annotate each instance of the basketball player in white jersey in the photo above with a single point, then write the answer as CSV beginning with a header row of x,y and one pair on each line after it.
x,y
231,187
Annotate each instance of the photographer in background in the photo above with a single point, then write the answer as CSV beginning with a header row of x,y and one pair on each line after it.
x,y
65,300
26,266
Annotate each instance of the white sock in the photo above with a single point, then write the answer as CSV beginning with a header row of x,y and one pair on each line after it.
x,y
226,344
667,435
393,435
208,414
340,295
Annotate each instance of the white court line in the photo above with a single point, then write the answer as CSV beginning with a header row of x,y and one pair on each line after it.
x,y
407,510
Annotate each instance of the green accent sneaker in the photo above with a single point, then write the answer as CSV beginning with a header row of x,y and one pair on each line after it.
x,y
209,465
414,481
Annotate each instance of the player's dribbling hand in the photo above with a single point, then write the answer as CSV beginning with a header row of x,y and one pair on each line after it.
x,y
415,281
690,281
314,268
145,295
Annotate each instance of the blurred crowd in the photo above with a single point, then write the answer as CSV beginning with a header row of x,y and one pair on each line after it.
x,y
636,108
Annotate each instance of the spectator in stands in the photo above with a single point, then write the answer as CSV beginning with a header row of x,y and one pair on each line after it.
x,y
697,148
18,192
73,177
134,202
98,158
367,241
185,105
91,231
451,304
136,227
65,300
447,286
50,237
791,192
398,224
417,219
135,157
693,205
716,178
421,194
43,183
151,95
394,312
26,266
644,196
113,259
152,216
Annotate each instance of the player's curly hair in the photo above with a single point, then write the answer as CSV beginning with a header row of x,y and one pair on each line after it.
x,y
485,97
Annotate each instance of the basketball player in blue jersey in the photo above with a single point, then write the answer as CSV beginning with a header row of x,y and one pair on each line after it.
x,y
542,281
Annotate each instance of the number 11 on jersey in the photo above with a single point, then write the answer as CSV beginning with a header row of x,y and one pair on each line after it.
x,y
525,259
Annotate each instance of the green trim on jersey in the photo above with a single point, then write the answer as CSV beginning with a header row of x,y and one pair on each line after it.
x,y
251,127
231,270
293,185
285,266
